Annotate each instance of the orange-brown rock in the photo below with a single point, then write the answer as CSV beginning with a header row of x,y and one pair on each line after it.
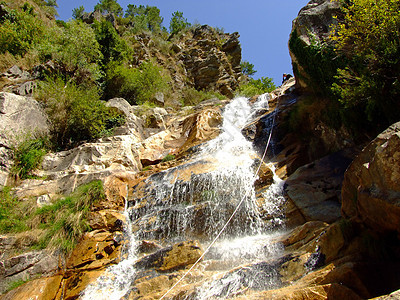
x,y
74,285
97,249
172,258
371,187
201,127
318,292
40,289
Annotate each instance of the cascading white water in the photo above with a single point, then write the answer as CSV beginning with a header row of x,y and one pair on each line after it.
x,y
115,282
176,209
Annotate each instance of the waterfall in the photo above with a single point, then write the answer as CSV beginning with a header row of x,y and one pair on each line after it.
x,y
195,200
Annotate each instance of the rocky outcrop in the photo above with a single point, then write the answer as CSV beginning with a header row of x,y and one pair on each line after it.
x,y
19,116
210,65
311,27
201,58
371,187
315,188
27,266
17,81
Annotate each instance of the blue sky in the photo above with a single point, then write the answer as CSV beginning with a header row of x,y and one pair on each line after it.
x,y
264,25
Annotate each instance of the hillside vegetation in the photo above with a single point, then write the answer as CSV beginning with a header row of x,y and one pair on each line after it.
x,y
112,53
353,67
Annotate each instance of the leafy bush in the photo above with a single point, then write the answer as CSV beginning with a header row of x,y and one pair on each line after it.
x,y
168,157
369,37
257,87
62,223
178,23
136,85
191,96
75,50
318,60
15,284
19,31
75,112
28,155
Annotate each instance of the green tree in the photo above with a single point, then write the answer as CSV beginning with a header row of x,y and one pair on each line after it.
x,y
112,47
247,68
136,85
144,17
178,22
77,13
257,87
369,38
109,6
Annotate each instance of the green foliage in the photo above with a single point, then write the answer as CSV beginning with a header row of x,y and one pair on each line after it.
x,y
75,112
65,220
75,51
28,155
169,157
109,6
20,31
247,68
178,23
12,213
370,38
191,96
144,18
62,222
257,87
319,62
136,85
77,13
112,46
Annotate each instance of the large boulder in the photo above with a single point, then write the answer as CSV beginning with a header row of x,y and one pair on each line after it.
x,y
311,27
18,116
371,187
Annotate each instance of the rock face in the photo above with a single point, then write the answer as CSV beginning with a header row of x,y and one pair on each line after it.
x,y
28,266
18,116
202,58
371,187
312,26
210,65
315,189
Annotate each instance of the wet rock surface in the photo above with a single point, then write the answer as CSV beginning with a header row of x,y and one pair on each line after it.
x,y
173,207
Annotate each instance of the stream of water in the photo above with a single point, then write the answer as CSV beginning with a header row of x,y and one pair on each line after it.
x,y
175,209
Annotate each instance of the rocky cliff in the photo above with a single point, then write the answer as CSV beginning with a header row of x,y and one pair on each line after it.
x,y
335,228
201,58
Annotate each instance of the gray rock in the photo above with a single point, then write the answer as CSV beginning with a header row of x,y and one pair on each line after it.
x,y
16,73
26,266
158,98
26,88
313,25
133,125
18,116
